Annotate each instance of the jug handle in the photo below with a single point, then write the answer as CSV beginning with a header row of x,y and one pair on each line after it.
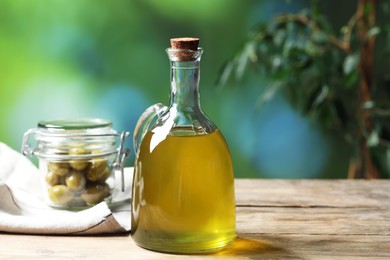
x,y
148,116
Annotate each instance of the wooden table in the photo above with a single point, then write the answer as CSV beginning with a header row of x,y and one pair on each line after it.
x,y
276,219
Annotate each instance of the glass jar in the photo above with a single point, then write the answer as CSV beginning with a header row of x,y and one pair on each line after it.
x,y
78,159
183,186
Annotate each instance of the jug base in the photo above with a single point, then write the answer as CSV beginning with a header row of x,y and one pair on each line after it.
x,y
187,248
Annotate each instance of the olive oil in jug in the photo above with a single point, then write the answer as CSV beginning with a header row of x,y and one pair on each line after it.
x,y
183,186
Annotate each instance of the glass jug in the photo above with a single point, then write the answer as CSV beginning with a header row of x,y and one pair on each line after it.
x,y
183,185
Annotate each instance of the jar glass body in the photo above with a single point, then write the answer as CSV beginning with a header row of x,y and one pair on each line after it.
x,y
183,186
76,160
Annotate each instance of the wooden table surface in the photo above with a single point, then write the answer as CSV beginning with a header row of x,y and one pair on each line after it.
x,y
276,219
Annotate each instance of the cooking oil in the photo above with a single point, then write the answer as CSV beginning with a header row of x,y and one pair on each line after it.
x,y
183,193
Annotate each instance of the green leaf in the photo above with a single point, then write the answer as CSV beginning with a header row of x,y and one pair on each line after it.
x,y
247,54
382,112
279,37
304,12
276,61
351,79
368,105
374,31
319,37
299,58
367,8
350,63
322,96
373,138
312,48
316,98
311,99
344,29
270,92
225,73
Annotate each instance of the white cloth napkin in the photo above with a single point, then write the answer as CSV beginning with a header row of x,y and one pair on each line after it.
x,y
23,210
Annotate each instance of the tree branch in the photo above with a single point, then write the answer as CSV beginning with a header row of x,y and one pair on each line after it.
x,y
366,9
344,45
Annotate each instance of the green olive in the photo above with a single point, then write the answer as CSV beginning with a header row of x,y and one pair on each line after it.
x,y
105,175
96,171
78,151
98,162
75,181
59,168
95,193
78,165
52,178
60,194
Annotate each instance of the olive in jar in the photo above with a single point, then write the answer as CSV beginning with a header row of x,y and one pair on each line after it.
x,y
53,179
59,168
97,170
95,193
60,194
106,174
78,165
75,181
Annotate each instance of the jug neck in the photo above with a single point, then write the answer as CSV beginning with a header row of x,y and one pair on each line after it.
x,y
185,75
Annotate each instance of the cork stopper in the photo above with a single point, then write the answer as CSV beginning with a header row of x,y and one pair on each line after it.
x,y
184,49
186,43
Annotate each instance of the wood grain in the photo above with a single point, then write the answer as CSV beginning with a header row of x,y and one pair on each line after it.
x,y
276,219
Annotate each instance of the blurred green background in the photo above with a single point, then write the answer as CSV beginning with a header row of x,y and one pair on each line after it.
x,y
88,58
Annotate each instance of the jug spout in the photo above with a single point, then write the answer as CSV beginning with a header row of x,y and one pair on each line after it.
x,y
149,116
